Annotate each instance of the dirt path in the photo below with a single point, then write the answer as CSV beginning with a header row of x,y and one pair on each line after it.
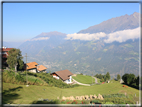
x,y
95,79
80,83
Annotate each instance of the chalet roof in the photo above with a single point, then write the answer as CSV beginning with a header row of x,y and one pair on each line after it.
x,y
31,65
6,52
63,74
41,68
6,49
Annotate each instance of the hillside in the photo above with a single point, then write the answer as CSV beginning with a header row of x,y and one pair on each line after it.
x,y
20,94
94,57
43,42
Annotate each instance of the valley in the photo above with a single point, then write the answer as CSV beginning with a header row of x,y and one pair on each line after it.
x,y
90,51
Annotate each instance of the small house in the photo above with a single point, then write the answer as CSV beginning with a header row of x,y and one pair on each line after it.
x,y
4,52
41,68
32,67
35,68
64,75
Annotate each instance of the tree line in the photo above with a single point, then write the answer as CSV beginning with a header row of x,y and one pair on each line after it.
x,y
103,78
131,80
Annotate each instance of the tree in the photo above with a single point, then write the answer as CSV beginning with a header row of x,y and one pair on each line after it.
x,y
101,76
128,78
96,75
131,79
107,76
124,78
14,58
118,77
102,80
137,81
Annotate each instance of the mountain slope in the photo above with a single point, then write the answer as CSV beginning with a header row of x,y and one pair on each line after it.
x,y
115,24
42,43
88,56
95,57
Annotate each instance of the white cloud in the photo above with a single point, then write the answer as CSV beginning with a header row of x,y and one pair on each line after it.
x,y
87,36
122,36
40,38
119,36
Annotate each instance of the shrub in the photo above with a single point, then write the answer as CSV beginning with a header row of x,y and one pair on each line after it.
x,y
20,78
85,102
74,102
96,101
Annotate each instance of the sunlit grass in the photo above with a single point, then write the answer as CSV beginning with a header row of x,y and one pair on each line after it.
x,y
33,93
84,79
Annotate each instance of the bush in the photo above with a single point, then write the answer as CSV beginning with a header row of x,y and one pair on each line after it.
x,y
85,102
96,101
74,102
20,78
9,77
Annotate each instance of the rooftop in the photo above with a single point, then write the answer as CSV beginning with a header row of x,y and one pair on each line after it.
x,y
63,74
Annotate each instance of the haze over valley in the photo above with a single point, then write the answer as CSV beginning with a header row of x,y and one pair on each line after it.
x,y
111,46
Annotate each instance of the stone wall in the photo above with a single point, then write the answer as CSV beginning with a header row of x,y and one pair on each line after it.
x,y
86,97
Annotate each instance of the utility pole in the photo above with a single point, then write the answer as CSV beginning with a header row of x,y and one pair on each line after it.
x,y
26,69
92,78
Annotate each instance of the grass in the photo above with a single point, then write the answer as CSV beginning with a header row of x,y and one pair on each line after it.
x,y
85,79
9,77
98,80
20,94
35,79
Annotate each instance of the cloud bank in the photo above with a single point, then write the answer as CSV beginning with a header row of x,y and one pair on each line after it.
x,y
39,38
86,36
122,36
119,36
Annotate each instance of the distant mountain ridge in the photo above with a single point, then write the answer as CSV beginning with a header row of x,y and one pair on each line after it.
x,y
55,52
115,24
45,36
42,42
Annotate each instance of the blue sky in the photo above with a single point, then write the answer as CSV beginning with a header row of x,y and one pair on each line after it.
x,y
22,21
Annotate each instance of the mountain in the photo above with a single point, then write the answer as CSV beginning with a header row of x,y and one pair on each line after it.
x,y
115,24
116,52
43,42
95,57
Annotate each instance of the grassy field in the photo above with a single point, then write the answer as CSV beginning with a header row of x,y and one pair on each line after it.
x,y
83,79
20,94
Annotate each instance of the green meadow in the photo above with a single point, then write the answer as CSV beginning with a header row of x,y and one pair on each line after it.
x,y
20,94
85,79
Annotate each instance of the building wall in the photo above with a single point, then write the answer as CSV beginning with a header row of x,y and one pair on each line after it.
x,y
55,76
44,71
33,70
69,80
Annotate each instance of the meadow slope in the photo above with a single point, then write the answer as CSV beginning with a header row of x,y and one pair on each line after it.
x,y
20,94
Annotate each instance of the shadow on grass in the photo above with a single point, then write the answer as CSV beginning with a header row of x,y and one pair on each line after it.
x,y
35,82
46,102
133,86
9,95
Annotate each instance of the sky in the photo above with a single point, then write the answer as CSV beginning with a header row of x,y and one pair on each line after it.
x,y
23,21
